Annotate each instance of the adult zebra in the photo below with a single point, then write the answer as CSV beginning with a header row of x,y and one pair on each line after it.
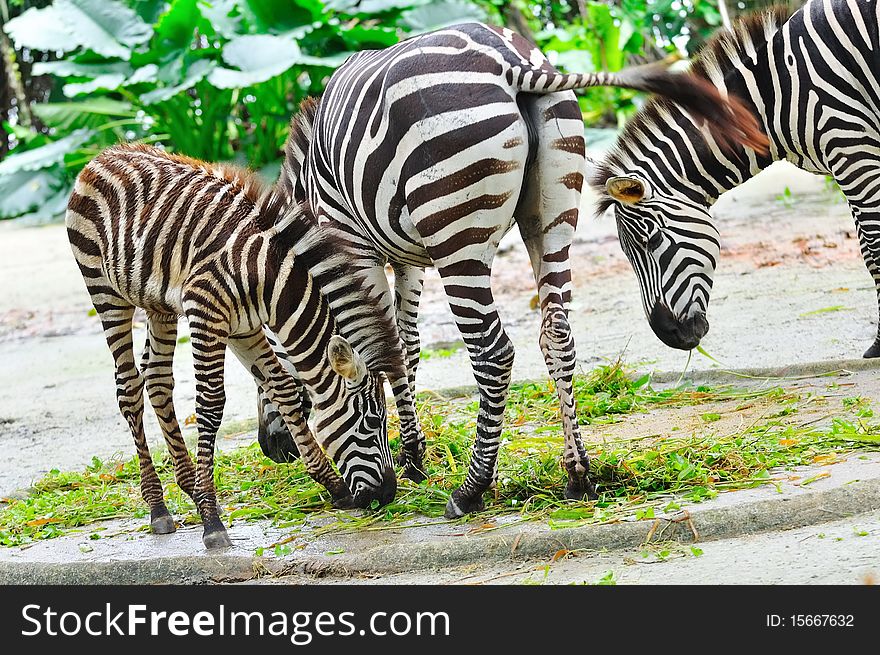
x,y
425,154
179,237
811,80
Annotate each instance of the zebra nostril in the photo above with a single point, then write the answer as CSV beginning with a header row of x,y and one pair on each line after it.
x,y
699,325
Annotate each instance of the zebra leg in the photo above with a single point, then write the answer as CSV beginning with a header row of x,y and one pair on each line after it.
x,y
116,317
283,389
412,438
869,242
273,436
209,349
408,283
157,367
547,217
491,353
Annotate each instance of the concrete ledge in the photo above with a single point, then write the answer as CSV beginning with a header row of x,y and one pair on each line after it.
x,y
766,510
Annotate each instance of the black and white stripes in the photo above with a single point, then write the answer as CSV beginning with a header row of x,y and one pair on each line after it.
x,y
812,80
179,237
425,154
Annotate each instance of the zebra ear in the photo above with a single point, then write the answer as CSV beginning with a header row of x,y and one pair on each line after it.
x,y
344,360
628,190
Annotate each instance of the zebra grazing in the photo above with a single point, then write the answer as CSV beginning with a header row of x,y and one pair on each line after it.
x,y
425,154
811,80
179,237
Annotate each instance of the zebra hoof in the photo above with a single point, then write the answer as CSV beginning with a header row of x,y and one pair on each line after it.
x,y
216,539
580,489
459,505
873,351
162,523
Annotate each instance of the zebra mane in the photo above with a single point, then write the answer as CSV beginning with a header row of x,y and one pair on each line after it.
x,y
296,148
331,261
718,57
747,34
242,179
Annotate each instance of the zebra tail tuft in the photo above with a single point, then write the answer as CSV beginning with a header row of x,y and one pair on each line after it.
x,y
728,119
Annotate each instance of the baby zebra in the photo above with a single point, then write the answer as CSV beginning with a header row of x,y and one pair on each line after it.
x,y
180,237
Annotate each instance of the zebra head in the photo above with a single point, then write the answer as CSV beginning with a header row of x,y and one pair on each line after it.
x,y
354,430
673,247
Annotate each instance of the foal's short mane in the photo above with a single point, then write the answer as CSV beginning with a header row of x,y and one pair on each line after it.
x,y
717,58
242,179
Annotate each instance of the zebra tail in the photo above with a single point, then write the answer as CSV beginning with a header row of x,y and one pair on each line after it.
x,y
728,119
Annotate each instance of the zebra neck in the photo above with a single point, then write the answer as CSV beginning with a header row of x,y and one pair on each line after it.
x,y
300,316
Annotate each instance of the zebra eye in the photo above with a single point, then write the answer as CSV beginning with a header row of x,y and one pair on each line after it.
x,y
655,240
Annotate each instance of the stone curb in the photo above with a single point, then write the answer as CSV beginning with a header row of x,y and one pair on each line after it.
x,y
513,544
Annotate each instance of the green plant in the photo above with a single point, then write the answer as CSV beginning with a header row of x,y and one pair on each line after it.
x,y
213,79
636,478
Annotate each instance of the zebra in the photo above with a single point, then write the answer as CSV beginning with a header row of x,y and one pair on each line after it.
x,y
810,77
180,237
425,154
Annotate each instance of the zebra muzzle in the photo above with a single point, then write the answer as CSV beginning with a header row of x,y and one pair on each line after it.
x,y
675,333
384,493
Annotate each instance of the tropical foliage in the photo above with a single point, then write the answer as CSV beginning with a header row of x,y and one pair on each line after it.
x,y
219,79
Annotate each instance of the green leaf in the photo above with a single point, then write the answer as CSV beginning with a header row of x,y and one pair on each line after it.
x,y
49,208
67,116
24,191
68,68
46,156
196,73
370,6
107,27
176,27
217,12
575,61
359,37
42,29
438,14
102,82
278,16
259,57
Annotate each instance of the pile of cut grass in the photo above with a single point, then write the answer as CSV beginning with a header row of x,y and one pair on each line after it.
x,y
634,477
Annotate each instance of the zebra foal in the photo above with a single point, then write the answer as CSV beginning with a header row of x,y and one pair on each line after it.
x,y
811,78
179,237
426,154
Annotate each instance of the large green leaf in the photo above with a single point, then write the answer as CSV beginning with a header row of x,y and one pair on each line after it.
x,y
360,36
42,29
92,113
67,68
176,27
106,27
24,191
371,6
277,16
259,57
440,14
46,156
195,74
50,208
219,15
149,10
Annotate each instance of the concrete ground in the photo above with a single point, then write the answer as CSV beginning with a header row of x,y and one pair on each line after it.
x,y
818,523
791,290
